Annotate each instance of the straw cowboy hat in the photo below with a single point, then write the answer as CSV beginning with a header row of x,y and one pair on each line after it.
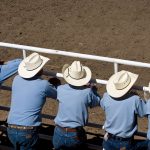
x,y
76,74
31,65
120,83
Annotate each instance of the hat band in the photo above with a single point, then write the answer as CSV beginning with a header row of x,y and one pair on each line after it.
x,y
76,75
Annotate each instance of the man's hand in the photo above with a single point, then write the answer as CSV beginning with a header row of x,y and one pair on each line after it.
x,y
92,86
1,62
146,95
55,82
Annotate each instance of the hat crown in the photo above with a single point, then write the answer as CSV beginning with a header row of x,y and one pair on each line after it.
x,y
33,62
76,70
122,81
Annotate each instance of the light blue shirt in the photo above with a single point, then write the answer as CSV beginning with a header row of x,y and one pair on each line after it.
x,y
27,100
73,105
8,69
148,132
121,115
148,113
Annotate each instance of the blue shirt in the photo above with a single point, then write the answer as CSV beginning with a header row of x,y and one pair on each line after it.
x,y
27,100
73,105
148,132
148,113
8,69
121,115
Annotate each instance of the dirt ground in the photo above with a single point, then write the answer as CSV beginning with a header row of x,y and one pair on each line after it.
x,y
111,28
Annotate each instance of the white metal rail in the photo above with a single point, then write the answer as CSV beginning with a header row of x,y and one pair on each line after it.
x,y
78,55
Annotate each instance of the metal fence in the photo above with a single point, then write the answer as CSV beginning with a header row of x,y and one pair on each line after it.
x,y
115,62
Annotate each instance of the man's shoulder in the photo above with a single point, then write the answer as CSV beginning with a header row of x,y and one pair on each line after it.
x,y
63,86
43,82
17,77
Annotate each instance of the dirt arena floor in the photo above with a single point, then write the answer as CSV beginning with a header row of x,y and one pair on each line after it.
x,y
111,28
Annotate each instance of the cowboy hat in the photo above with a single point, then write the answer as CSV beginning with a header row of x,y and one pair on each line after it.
x,y
120,83
76,74
31,65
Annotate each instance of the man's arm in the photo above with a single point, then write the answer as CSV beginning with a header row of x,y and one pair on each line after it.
x,y
94,98
9,69
51,91
55,82
141,107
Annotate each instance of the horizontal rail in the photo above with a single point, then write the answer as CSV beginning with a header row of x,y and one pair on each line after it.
x,y
78,55
99,81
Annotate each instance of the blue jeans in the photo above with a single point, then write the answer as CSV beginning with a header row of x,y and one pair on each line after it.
x,y
23,139
142,145
113,144
63,140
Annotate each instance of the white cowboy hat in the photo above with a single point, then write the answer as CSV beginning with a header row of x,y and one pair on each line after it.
x,y
31,65
76,74
120,83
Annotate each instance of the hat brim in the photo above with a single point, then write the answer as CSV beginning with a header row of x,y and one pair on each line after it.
x,y
23,72
79,82
112,91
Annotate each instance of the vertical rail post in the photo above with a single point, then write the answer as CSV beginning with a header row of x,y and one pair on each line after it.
x,y
24,54
115,67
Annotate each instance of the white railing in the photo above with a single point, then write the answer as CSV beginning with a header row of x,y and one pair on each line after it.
x,y
79,55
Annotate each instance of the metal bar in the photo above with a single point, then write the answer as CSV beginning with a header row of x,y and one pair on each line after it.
x,y
115,67
24,54
100,81
5,88
77,55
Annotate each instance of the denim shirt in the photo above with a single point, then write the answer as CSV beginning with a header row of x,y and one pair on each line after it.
x,y
8,69
73,105
27,99
121,115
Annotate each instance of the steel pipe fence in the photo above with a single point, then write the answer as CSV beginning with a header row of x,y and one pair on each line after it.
x,y
115,62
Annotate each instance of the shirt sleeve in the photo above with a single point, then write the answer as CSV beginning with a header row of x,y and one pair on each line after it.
x,y
148,107
94,99
9,69
140,107
148,132
102,102
50,91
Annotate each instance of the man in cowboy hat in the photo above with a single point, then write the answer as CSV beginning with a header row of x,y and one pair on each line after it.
x,y
74,99
147,97
29,93
140,145
121,108
7,69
